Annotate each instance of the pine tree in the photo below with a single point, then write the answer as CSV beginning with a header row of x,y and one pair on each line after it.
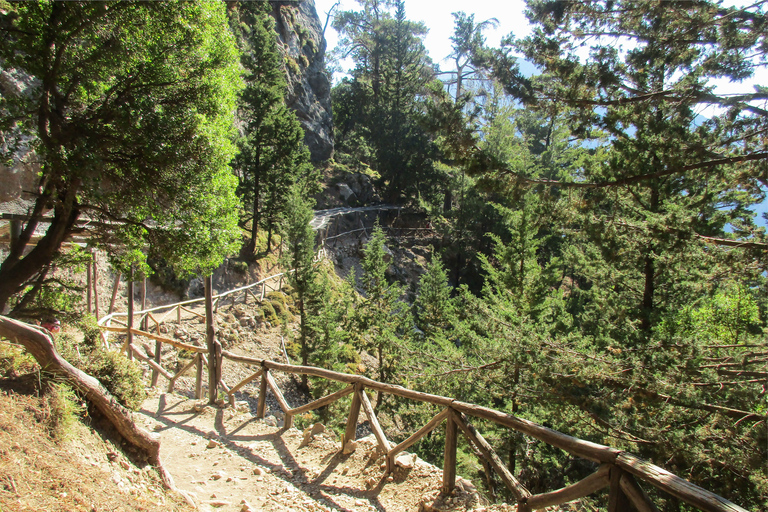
x,y
272,152
299,256
468,50
380,107
434,307
382,317
656,210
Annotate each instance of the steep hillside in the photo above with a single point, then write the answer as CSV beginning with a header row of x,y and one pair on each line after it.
x,y
49,463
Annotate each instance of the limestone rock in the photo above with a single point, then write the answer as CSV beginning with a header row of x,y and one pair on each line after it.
x,y
406,460
349,447
300,37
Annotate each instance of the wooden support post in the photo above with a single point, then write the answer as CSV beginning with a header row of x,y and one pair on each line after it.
x,y
489,454
115,288
89,286
636,495
320,402
261,408
210,337
288,422
374,422
158,355
95,288
617,500
198,376
144,321
129,341
434,422
449,461
354,413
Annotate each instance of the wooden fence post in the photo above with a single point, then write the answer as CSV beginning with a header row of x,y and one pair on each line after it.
x,y
144,321
89,285
449,461
261,408
198,376
115,288
158,355
210,338
95,288
617,500
354,413
130,314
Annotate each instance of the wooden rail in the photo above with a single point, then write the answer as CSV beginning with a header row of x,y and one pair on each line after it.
x,y
618,471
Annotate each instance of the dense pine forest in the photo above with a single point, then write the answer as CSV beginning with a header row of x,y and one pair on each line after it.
x,y
599,268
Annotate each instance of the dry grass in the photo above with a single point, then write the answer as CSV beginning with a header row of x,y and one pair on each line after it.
x,y
84,472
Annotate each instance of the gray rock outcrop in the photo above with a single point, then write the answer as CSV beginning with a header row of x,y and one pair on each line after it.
x,y
300,35
16,147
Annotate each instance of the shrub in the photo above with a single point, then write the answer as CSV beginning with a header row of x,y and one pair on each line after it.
x,y
120,376
268,311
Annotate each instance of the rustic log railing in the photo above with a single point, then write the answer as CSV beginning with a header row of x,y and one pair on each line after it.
x,y
257,290
618,471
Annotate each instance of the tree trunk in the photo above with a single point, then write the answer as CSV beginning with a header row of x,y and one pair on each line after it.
x,y
649,269
16,270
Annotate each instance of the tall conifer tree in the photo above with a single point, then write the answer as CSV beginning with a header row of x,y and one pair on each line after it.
x,y
272,152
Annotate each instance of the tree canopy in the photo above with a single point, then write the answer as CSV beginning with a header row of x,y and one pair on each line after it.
x,y
130,112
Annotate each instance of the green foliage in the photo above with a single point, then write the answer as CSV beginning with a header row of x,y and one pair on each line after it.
x,y
121,377
269,314
281,310
434,307
610,280
65,406
382,318
15,361
378,112
124,96
468,50
731,316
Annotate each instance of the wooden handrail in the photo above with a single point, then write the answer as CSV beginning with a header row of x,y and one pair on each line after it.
x,y
617,467
112,316
645,471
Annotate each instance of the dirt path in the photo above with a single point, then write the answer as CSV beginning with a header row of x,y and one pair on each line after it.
x,y
227,460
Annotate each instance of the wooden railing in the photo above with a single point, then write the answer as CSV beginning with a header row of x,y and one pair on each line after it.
x,y
619,471
257,290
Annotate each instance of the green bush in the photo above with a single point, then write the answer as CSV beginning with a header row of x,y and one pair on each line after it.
x,y
275,296
90,328
64,407
268,311
121,377
15,361
282,305
281,310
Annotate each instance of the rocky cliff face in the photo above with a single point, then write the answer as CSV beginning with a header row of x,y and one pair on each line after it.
x,y
18,171
300,34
